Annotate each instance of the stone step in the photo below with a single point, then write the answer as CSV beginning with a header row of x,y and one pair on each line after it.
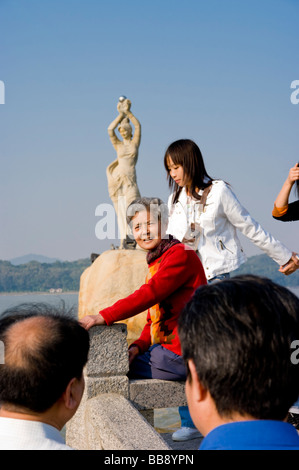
x,y
154,393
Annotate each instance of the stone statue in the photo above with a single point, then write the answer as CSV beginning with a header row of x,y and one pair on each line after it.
x,y
121,174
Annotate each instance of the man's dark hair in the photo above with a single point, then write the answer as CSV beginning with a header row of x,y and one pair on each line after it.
x,y
239,332
45,347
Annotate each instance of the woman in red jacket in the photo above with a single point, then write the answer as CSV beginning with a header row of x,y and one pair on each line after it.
x,y
174,274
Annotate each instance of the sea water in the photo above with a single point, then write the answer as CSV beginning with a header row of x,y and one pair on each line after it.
x,y
70,299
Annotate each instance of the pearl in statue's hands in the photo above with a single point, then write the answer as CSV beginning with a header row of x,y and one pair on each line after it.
x,y
123,105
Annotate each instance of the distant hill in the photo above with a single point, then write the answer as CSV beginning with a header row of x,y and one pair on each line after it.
x,y
27,258
264,266
41,277
38,276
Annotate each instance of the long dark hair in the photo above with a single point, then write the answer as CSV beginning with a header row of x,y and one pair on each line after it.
x,y
186,153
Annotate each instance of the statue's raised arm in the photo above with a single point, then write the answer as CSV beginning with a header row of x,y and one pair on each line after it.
x,y
123,120
125,107
121,173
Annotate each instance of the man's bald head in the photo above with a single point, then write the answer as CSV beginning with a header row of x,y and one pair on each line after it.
x,y
26,339
43,352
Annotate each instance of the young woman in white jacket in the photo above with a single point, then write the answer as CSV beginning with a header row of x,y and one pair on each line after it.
x,y
211,228
205,214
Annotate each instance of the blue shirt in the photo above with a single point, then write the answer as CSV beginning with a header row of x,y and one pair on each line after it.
x,y
252,435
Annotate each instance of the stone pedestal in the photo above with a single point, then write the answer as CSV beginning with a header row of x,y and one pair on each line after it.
x,y
115,274
106,419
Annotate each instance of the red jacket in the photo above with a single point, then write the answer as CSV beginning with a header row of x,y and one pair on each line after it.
x,y
171,280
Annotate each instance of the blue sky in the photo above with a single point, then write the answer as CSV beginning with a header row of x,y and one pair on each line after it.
x,y
218,72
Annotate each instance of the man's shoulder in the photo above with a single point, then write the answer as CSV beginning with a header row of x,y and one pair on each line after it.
x,y
253,435
20,434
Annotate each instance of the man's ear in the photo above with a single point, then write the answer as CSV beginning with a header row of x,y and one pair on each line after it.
x,y
199,391
73,394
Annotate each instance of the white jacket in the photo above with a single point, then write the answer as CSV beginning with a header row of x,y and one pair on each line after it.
x,y
219,247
